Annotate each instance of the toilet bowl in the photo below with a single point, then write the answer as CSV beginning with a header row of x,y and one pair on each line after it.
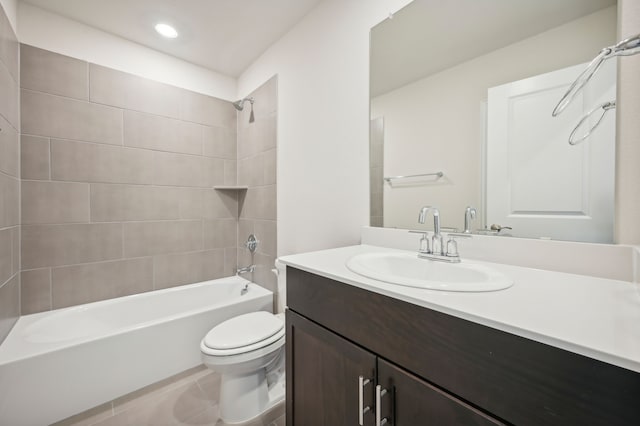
x,y
248,352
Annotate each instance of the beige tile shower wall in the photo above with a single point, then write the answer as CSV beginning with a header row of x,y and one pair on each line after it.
x,y
9,177
118,174
257,151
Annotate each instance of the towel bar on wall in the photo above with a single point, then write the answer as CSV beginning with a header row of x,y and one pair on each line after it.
x,y
390,179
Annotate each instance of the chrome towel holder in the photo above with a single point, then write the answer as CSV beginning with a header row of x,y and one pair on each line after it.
x,y
627,47
390,179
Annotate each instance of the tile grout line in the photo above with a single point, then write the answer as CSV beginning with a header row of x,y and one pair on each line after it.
x,y
50,160
89,202
122,230
88,71
50,288
122,145
147,256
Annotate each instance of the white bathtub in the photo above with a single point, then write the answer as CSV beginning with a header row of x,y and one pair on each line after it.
x,y
59,363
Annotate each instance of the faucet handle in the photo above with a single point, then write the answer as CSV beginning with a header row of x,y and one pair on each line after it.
x,y
424,240
424,243
452,247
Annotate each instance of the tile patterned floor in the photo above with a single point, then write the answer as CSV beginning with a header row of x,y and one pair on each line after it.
x,y
187,399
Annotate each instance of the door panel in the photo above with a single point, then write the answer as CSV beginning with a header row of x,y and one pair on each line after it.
x,y
537,183
416,402
322,376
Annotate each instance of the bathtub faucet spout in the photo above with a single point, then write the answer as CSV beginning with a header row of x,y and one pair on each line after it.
x,y
245,269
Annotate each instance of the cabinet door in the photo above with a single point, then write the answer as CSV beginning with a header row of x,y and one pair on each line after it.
x,y
410,401
323,373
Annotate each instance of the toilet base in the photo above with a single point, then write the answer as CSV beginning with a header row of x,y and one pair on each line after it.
x,y
243,398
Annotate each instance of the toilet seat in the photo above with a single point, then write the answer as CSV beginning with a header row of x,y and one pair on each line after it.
x,y
244,333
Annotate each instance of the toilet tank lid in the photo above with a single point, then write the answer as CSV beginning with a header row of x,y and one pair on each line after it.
x,y
243,330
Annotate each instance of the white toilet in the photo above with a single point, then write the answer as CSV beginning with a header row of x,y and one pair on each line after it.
x,y
248,351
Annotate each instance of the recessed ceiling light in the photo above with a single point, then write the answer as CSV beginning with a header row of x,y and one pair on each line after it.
x,y
166,30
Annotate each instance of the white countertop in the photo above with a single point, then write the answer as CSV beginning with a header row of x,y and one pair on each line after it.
x,y
595,317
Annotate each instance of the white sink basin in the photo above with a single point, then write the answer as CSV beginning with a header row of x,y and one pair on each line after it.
x,y
409,270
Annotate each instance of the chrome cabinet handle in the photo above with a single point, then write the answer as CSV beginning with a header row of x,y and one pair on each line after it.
x,y
379,394
362,382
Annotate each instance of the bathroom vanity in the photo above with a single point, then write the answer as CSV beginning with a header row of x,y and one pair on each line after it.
x,y
361,352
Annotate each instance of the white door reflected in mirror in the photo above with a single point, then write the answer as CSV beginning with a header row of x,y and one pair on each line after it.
x,y
539,184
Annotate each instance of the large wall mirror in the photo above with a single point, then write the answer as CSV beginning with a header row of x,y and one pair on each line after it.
x,y
461,95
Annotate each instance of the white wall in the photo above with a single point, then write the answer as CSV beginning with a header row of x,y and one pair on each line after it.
x,y
628,130
323,122
11,10
49,31
435,124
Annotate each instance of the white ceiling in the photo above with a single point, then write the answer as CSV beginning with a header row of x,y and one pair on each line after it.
x,y
222,35
429,36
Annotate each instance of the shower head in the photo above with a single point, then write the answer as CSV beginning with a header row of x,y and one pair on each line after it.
x,y
239,105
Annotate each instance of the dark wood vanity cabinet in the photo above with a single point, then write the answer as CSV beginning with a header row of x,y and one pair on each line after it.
x,y
326,368
416,402
432,368
325,390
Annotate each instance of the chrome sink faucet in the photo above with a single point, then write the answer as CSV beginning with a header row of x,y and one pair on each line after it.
x,y
436,240
437,250
469,213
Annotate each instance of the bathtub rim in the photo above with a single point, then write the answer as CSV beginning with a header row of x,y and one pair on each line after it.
x,y
25,321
